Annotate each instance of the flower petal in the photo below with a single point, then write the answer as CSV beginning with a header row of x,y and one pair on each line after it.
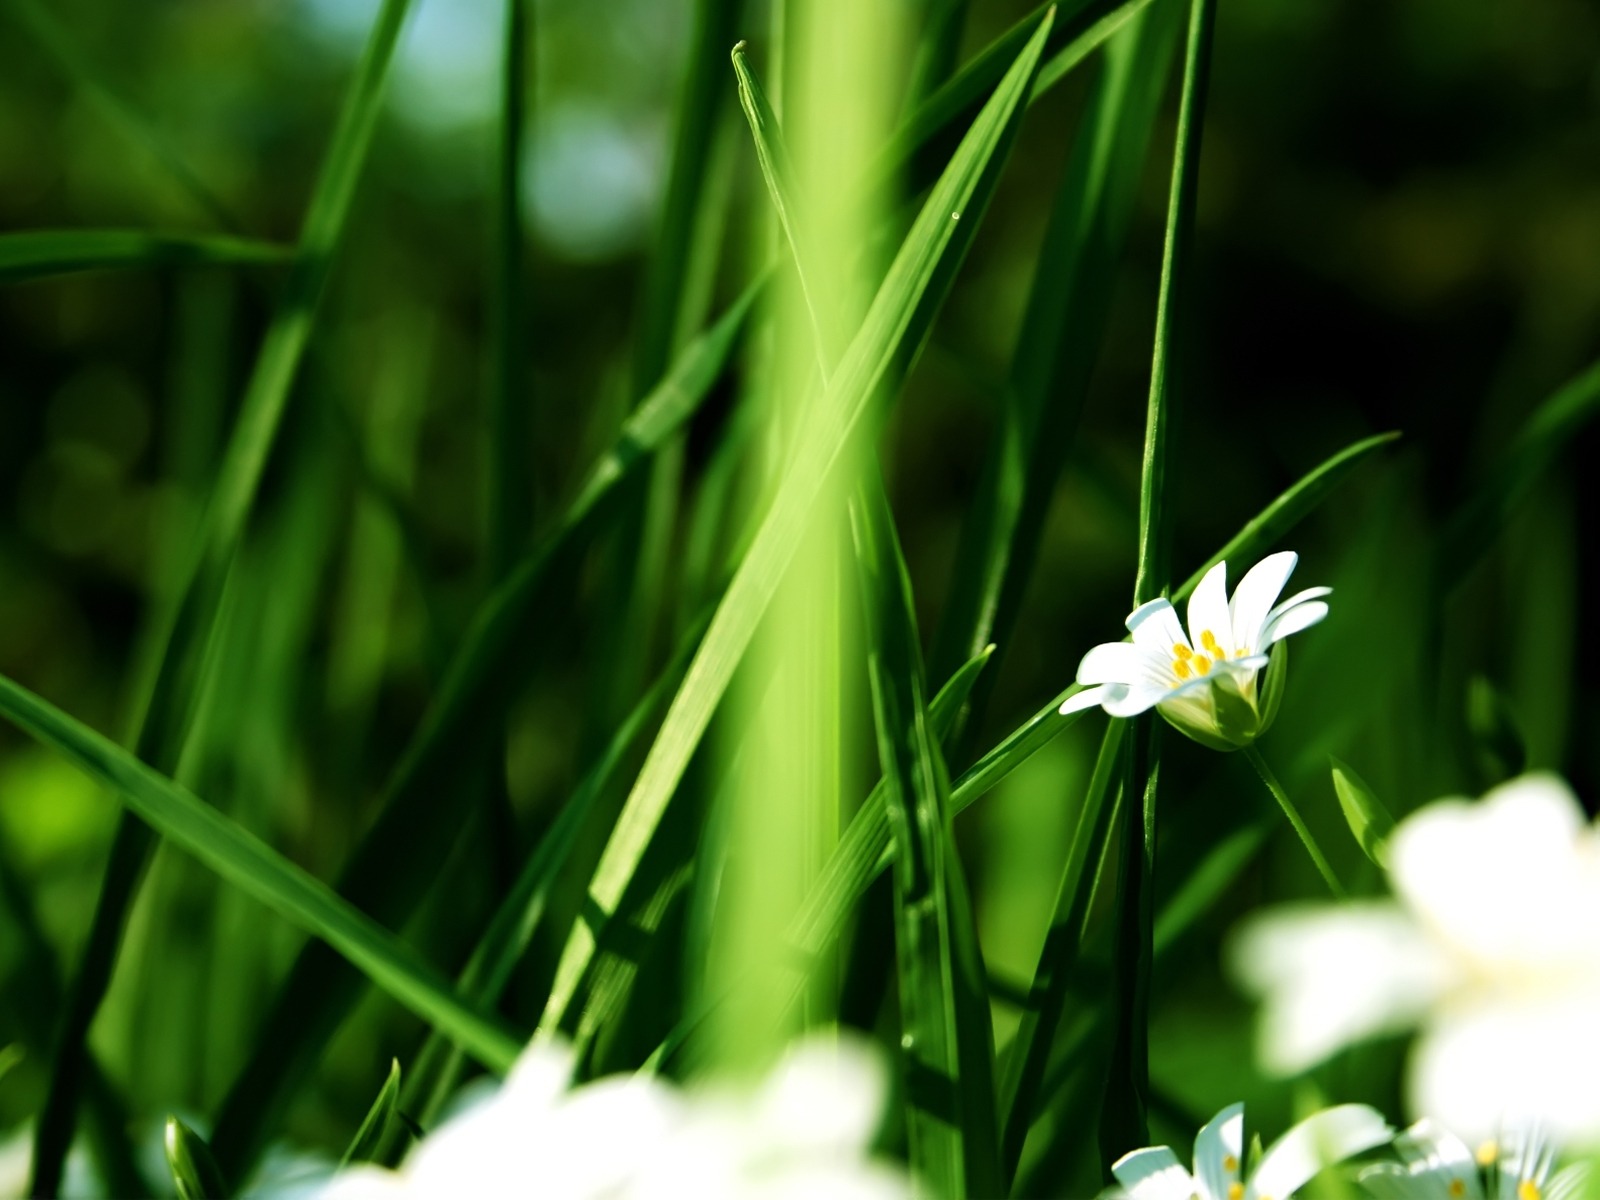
x,y
1090,697
1153,1174
1321,1140
1208,611
1257,592
1155,625
1330,976
1521,1061
1301,616
825,1096
1122,662
1435,1154
1218,1151
1498,880
1300,597
1134,700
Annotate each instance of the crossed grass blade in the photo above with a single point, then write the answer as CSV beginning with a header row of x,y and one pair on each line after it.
x,y
43,254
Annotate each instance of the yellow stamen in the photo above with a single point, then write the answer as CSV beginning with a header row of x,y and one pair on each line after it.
x,y
1230,1164
1458,1187
1236,1190
1528,1190
1209,641
1487,1153
1241,652
1202,664
1181,668
1180,651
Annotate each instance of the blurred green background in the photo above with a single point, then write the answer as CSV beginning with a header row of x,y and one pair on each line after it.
x,y
1399,229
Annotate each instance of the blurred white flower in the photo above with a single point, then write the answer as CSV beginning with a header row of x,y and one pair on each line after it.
x,y
1319,1141
803,1132
1492,947
1204,682
1437,1165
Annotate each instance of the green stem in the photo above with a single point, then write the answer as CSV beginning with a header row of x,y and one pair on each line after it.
x,y
1289,810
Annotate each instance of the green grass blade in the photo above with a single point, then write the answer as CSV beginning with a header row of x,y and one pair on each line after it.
x,y
946,1034
900,316
363,1147
938,47
59,43
510,410
1214,874
41,254
1067,310
194,1171
255,868
1474,527
391,869
1029,1053
1307,838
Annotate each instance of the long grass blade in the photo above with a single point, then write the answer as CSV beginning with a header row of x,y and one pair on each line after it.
x,y
41,254
894,328
255,868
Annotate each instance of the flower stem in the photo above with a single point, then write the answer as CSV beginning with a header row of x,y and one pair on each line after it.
x,y
1289,810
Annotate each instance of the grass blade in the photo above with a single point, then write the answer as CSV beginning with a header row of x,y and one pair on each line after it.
x,y
389,872
255,868
363,1147
899,318
41,254
946,1034
166,714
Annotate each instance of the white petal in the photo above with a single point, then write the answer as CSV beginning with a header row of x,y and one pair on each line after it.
x,y
1497,880
1089,698
1208,610
1332,975
1155,625
362,1182
1321,1140
1154,1173
1134,701
825,1096
540,1076
1523,1062
1218,1151
1122,662
1300,597
1257,592
1436,1155
1296,619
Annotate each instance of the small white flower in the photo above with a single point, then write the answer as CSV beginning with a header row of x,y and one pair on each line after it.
x,y
1204,681
1492,947
1437,1165
804,1131
1322,1139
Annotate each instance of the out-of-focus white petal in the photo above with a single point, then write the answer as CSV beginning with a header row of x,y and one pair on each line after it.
x,y
1319,1141
814,1182
1154,1174
825,1096
1123,662
1090,698
1155,626
1331,975
363,1183
1257,592
16,1163
1219,1150
1208,611
1295,620
1522,1062
1500,880
540,1076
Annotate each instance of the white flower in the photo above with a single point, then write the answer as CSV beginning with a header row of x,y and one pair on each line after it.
x,y
1437,1165
1204,682
803,1132
1319,1141
1492,947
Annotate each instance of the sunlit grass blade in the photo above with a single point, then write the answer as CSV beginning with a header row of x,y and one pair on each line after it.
x,y
165,716
1029,1052
194,1171
364,1146
398,858
1058,343
1550,429
946,1034
59,43
894,328
40,254
255,868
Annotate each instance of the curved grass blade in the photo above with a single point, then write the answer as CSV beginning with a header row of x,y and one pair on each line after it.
x,y
390,871
40,254
895,325
946,1033
1058,343
165,717
364,1146
194,1171
255,868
